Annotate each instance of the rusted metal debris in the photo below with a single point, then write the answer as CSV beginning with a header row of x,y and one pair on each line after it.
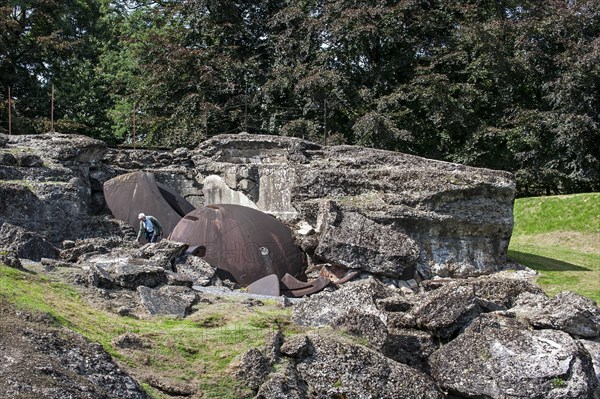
x,y
129,194
268,285
296,288
245,242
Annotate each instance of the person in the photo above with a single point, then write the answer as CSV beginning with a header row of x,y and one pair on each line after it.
x,y
150,227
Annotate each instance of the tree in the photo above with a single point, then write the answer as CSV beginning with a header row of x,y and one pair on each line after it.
x,y
49,42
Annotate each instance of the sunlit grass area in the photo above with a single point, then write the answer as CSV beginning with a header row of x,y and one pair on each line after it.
x,y
195,351
559,237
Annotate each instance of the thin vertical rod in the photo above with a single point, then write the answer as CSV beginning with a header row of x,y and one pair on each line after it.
x,y
9,113
325,121
246,108
52,111
134,121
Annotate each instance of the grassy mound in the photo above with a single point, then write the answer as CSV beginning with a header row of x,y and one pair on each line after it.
x,y
195,352
559,237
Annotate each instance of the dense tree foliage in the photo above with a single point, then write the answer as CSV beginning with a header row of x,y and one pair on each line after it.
x,y
504,84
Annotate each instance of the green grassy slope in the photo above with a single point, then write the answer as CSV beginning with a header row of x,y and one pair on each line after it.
x,y
559,237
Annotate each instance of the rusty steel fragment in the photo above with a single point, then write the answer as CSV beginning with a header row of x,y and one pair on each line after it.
x,y
303,288
268,285
245,242
129,194
349,276
292,283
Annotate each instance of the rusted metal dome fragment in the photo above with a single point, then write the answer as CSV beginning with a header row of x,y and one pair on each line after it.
x,y
129,194
244,242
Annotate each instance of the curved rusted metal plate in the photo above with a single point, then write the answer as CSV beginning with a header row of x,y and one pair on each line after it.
x,y
247,243
308,288
129,194
268,285
292,283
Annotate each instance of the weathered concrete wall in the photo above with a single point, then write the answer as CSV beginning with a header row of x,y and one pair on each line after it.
x,y
459,218
394,213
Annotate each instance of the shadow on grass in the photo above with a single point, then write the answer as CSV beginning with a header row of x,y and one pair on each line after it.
x,y
538,262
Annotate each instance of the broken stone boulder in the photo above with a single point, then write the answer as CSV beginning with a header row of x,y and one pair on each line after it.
x,y
333,367
499,357
445,311
10,259
408,346
326,307
252,369
284,383
163,253
357,242
48,189
195,269
106,271
26,244
566,311
457,218
593,348
444,219
167,300
74,251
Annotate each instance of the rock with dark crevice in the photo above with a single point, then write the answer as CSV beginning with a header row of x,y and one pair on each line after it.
x,y
284,383
566,311
444,312
252,369
26,244
498,356
332,367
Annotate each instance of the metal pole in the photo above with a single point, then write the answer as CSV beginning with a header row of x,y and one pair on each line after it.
x,y
205,117
325,121
9,116
52,111
134,120
246,108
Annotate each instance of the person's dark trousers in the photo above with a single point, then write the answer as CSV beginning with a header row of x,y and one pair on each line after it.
x,y
151,237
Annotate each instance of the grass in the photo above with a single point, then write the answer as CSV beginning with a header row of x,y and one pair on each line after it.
x,y
195,351
559,237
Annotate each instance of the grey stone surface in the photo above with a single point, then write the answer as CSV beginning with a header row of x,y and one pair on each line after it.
x,y
357,242
163,253
26,244
326,307
566,311
593,348
441,218
196,269
332,367
448,309
135,273
252,369
167,300
284,384
10,259
498,357
121,269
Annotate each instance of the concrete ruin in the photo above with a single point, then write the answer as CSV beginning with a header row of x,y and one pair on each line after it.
x,y
394,215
